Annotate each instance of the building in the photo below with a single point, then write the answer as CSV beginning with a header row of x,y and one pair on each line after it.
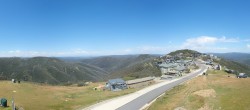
x,y
174,68
217,67
167,77
116,84
229,71
167,67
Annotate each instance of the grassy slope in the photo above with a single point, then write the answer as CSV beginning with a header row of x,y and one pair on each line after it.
x,y
138,70
42,97
243,58
50,70
127,66
185,52
117,62
230,94
111,63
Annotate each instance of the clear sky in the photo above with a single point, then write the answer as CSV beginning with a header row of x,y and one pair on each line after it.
x,y
114,27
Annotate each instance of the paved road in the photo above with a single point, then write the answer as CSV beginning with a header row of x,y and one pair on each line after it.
x,y
139,102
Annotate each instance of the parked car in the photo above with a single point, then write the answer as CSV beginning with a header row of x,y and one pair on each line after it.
x,y
242,75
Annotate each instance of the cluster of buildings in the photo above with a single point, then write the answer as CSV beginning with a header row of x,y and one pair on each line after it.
x,y
213,65
175,66
210,61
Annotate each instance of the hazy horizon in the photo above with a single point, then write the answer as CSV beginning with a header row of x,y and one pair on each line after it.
x,y
89,56
65,28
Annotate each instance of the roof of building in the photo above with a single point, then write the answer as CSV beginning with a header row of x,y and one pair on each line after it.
x,y
180,68
167,76
168,65
115,81
242,74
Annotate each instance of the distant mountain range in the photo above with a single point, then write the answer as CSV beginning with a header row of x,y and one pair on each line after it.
x,y
49,70
243,58
74,69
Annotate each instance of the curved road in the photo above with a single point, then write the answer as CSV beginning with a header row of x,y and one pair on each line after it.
x,y
139,102
139,99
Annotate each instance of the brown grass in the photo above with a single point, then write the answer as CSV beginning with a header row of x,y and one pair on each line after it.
x,y
212,92
44,97
205,93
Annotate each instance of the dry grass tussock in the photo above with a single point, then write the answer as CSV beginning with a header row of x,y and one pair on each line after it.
x,y
206,93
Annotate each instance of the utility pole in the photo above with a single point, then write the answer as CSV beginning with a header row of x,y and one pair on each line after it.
x,y
13,104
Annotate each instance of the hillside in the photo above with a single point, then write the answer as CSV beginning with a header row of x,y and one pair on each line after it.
x,y
143,69
184,53
110,63
126,65
238,57
56,71
239,67
48,70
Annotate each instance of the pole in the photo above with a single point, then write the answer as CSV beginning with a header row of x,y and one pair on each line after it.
x,y
13,104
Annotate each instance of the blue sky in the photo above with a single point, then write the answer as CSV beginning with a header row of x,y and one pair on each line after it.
x,y
115,27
